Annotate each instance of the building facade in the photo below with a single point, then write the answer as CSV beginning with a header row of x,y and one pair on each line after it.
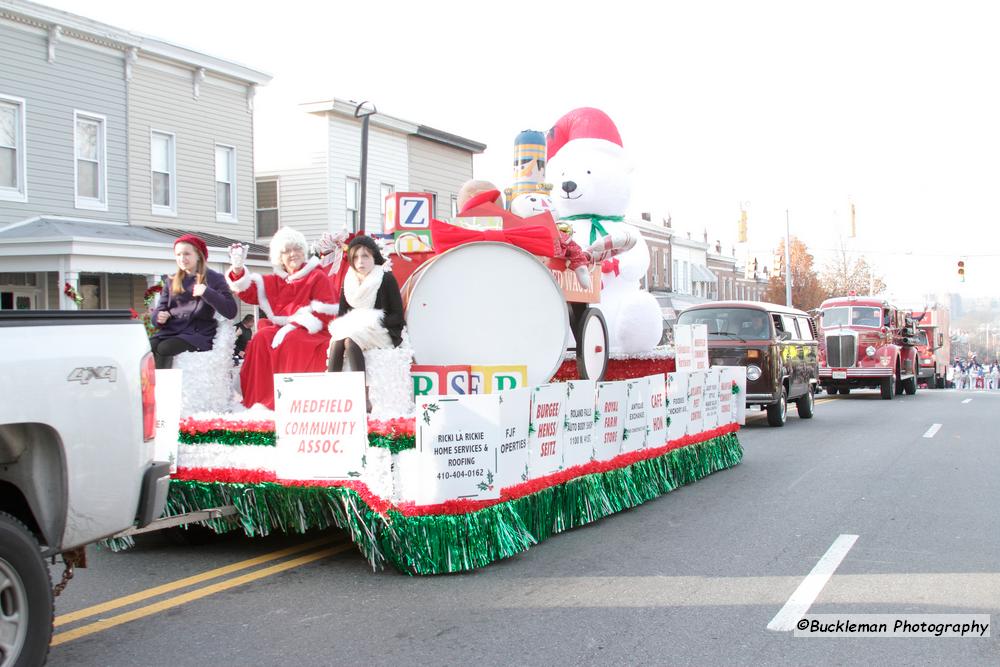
x,y
317,188
111,146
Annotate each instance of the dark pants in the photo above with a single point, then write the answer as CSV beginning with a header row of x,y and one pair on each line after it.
x,y
165,349
341,350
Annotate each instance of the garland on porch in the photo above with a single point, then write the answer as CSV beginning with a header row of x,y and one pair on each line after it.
x,y
459,535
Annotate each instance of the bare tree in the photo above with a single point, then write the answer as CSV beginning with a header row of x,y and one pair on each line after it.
x,y
843,274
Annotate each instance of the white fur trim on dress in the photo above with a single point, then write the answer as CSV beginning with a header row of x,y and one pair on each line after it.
x,y
241,284
363,326
325,308
280,336
305,319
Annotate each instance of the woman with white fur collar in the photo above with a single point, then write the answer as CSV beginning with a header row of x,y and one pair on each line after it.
x,y
297,301
371,308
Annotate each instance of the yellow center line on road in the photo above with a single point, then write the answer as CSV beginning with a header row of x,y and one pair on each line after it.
x,y
190,596
72,617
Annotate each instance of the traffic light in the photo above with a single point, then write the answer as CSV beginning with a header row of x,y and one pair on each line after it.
x,y
961,271
779,263
742,229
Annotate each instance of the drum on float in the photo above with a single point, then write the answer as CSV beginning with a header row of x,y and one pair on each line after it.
x,y
487,304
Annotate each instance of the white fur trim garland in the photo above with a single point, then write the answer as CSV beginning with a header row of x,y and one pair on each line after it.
x,y
305,319
280,336
241,284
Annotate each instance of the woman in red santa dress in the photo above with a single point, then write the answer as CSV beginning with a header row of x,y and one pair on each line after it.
x,y
297,301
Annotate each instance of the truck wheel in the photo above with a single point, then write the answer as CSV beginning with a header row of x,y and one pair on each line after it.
x,y
777,413
591,333
910,386
888,387
25,596
831,391
845,391
804,406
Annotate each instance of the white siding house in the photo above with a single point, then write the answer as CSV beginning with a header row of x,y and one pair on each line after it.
x,y
402,156
120,144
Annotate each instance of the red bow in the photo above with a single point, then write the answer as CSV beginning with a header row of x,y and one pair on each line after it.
x,y
534,238
610,266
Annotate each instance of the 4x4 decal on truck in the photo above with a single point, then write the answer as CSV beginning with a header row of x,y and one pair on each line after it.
x,y
83,375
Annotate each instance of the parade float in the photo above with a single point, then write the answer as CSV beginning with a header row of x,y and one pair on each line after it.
x,y
528,398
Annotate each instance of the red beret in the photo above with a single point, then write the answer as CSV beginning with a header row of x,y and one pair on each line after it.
x,y
200,245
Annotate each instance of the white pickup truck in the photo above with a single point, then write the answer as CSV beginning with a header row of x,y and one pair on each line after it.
x,y
76,455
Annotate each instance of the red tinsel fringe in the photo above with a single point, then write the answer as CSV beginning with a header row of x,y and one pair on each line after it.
x,y
382,506
619,369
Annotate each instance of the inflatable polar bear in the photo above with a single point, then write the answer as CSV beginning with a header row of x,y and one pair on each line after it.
x,y
591,189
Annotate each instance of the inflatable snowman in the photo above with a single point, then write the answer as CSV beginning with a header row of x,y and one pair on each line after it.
x,y
591,188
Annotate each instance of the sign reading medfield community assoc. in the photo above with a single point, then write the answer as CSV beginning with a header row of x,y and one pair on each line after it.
x,y
321,425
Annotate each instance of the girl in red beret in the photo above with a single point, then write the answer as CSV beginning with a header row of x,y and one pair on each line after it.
x,y
184,317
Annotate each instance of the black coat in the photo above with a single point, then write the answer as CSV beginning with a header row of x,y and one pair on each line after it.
x,y
390,302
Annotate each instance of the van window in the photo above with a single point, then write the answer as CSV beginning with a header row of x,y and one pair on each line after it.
x,y
731,323
789,325
805,329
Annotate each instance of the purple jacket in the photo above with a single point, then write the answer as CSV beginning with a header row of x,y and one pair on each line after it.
x,y
191,319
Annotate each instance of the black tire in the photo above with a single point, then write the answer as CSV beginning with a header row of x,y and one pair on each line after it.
x,y
910,386
831,391
845,391
588,319
25,592
777,414
888,387
804,405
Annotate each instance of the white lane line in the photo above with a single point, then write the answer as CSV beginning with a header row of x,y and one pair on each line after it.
x,y
932,430
812,585
968,400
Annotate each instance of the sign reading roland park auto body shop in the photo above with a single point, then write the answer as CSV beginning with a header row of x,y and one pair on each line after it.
x,y
321,425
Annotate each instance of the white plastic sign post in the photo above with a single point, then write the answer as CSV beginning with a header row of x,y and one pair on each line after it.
x,y
699,346
611,400
684,348
545,444
578,441
456,444
677,410
710,393
634,436
656,410
512,454
321,425
168,416
696,405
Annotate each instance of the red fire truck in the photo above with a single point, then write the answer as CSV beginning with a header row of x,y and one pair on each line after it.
x,y
867,342
933,346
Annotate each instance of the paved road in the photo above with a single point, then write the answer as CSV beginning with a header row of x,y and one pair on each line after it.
x,y
694,577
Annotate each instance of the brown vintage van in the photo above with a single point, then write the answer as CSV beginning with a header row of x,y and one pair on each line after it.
x,y
777,345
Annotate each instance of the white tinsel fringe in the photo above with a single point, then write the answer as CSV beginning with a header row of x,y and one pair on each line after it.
x,y
207,381
390,385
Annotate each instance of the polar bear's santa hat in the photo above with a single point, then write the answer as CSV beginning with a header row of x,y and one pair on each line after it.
x,y
586,125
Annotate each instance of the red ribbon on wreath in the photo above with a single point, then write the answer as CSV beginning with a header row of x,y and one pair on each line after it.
x,y
534,238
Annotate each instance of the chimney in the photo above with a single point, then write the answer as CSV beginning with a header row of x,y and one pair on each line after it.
x,y
669,221
647,217
718,247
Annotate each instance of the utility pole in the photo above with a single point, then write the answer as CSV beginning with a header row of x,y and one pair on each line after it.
x,y
364,114
788,263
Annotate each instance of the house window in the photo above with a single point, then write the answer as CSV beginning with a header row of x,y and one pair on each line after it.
x,y
163,169
385,191
12,155
454,206
91,161
267,208
353,197
225,183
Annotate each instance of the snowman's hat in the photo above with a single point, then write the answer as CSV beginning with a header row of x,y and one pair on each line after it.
x,y
582,123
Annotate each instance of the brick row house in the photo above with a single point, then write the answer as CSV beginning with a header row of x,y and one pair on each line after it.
x,y
111,146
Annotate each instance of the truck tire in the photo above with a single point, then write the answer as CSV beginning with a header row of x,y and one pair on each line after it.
x,y
910,386
777,414
888,387
26,606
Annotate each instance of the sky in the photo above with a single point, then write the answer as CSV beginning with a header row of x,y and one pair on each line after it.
x,y
792,106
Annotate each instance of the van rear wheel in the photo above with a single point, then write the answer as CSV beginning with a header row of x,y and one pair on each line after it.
x,y
777,413
804,405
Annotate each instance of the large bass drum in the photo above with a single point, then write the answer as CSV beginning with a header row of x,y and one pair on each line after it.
x,y
487,304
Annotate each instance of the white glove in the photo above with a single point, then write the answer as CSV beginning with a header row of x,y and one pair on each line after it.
x,y
280,336
583,276
237,256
